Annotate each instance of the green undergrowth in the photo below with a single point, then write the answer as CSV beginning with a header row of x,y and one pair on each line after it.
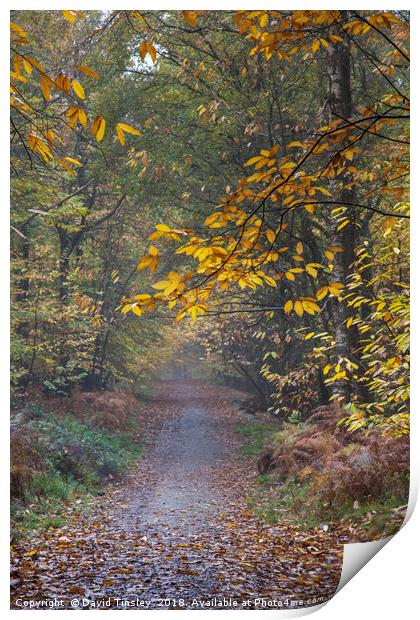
x,y
291,500
255,436
58,464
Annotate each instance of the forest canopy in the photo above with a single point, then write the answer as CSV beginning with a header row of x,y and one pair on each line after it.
x,y
235,181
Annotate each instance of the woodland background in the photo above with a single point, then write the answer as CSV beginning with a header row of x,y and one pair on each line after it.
x,y
247,174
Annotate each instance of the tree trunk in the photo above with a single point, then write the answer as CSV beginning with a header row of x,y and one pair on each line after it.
x,y
340,104
63,266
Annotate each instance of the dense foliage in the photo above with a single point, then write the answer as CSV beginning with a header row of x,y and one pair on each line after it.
x,y
255,162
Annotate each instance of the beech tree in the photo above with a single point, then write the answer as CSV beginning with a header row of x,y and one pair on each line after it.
x,y
278,195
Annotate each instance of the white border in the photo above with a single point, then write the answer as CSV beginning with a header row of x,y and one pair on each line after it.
x,y
389,584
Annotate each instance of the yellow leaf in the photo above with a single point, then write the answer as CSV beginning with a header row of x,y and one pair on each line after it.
x,y
88,71
69,15
32,553
270,281
138,311
334,288
82,117
264,20
150,260
310,306
73,114
129,129
120,135
18,30
180,314
271,236
63,82
142,298
315,46
101,129
147,48
299,247
335,38
288,306
289,165
98,128
28,67
196,310
35,64
152,51
38,145
78,89
312,272
143,50
299,308
161,285
190,17
253,160
71,160
123,127
45,87
343,224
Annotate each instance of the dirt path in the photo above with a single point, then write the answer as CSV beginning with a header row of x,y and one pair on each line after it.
x,y
177,533
187,457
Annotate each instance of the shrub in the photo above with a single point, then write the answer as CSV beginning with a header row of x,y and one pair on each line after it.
x,y
25,458
379,469
50,455
325,470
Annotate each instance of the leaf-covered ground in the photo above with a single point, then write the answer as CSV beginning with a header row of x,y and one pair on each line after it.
x,y
177,533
